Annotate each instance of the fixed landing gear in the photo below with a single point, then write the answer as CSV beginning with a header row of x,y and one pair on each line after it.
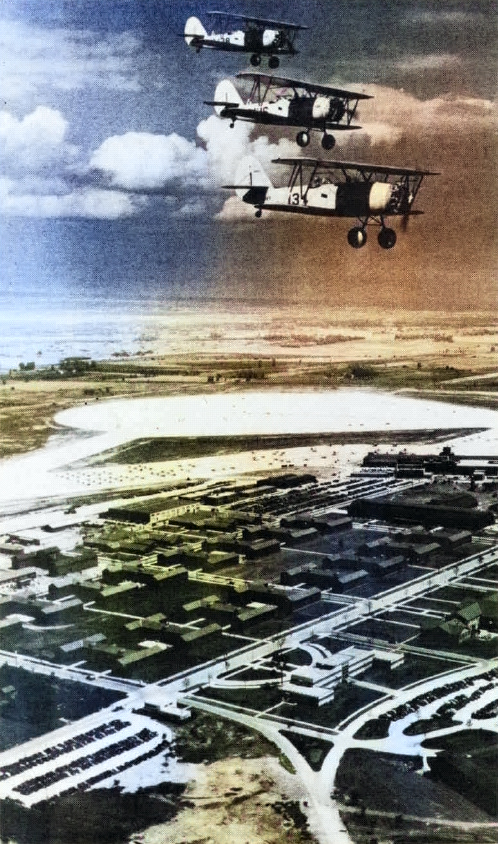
x,y
303,139
357,237
255,60
258,213
273,62
386,238
328,141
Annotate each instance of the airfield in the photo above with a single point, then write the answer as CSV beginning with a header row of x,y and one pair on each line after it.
x,y
306,402
256,676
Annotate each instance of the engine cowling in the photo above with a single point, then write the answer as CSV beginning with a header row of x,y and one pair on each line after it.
x,y
380,197
270,37
360,199
321,108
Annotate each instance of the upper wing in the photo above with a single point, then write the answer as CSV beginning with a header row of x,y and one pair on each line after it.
x,y
284,82
359,168
264,21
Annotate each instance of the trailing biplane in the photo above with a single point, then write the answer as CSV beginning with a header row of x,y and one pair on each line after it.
x,y
368,192
278,101
243,34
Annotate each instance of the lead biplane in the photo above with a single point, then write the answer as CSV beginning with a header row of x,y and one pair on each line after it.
x,y
243,34
368,192
278,101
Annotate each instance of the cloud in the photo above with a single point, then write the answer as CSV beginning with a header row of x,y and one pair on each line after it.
x,y
439,16
234,209
88,202
141,161
225,147
39,168
35,59
45,175
393,113
431,61
192,209
149,163
35,142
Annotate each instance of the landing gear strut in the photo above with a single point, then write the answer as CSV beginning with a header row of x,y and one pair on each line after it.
x,y
386,238
255,60
303,139
357,237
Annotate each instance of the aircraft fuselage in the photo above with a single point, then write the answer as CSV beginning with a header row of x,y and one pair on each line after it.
x,y
312,112
252,40
347,199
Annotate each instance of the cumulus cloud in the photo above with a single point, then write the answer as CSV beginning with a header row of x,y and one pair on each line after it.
x,y
36,141
39,168
148,163
225,147
141,161
43,174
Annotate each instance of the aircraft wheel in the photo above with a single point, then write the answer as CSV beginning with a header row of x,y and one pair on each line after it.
x,y
387,238
328,142
303,139
255,60
258,213
357,237
273,62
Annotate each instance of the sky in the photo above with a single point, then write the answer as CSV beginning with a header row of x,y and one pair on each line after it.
x,y
112,166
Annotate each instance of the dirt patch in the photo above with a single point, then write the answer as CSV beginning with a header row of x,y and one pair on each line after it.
x,y
248,801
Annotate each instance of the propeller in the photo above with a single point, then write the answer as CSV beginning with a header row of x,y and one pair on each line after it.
x,y
407,213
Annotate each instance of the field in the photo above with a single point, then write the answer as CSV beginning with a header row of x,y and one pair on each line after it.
x,y
447,356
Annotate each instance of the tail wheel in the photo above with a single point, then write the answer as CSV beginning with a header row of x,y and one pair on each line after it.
x,y
387,238
303,139
357,237
273,62
328,142
255,60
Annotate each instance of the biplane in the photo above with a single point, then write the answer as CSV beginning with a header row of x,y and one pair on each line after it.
x,y
368,192
278,101
244,34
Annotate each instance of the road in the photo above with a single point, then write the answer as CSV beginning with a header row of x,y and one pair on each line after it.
x,y
323,813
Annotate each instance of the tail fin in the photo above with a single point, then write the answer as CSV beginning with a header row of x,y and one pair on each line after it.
x,y
226,94
194,32
251,181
